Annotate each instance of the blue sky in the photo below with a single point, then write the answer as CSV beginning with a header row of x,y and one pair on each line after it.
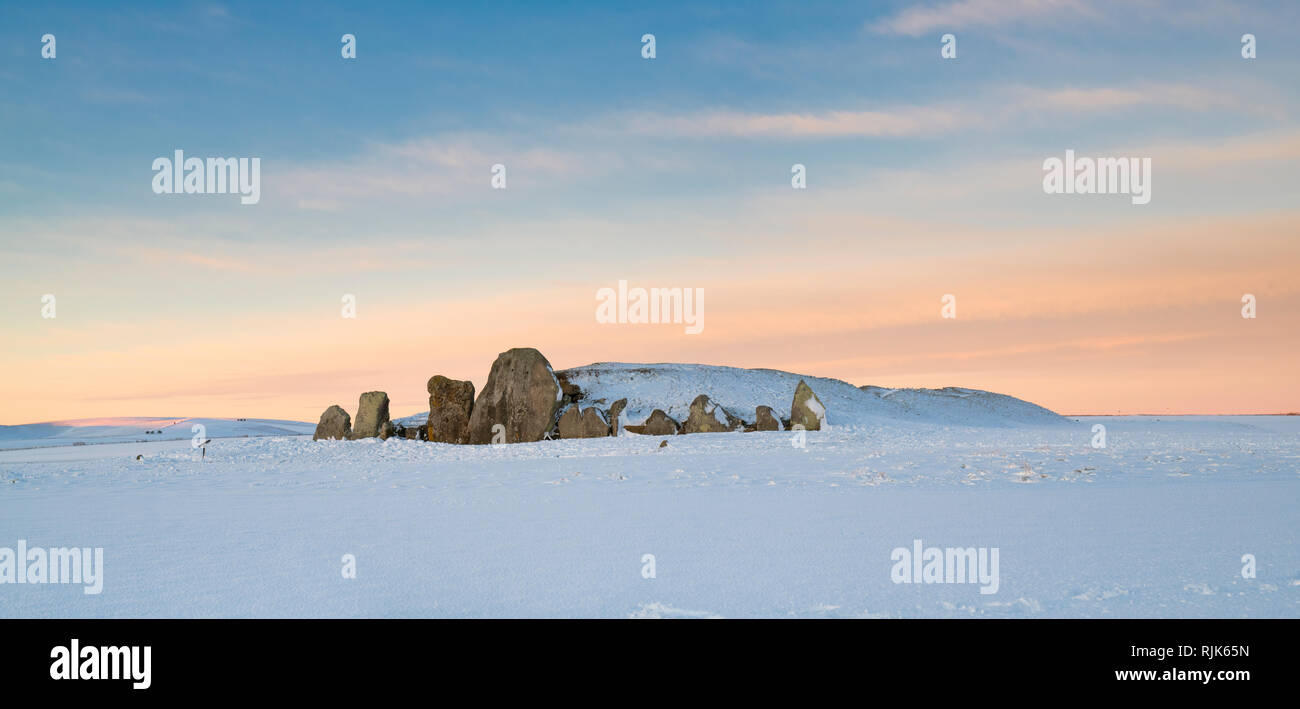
x,y
266,79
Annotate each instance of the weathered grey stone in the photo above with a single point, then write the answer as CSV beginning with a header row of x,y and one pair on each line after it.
x,y
335,423
707,416
594,423
386,430
806,409
372,412
570,424
589,423
521,394
451,404
765,420
659,424
615,412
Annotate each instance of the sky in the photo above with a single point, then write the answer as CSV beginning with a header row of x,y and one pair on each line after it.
x,y
924,179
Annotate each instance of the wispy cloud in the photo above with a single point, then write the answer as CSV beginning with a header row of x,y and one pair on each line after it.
x,y
1106,98
893,123
455,165
999,108
965,14
164,256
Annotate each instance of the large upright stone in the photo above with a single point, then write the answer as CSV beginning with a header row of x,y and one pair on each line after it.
x,y
765,420
570,423
335,423
806,410
522,394
589,423
616,416
594,423
451,404
372,412
707,416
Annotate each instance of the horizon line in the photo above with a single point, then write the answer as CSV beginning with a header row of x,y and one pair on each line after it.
x,y
178,419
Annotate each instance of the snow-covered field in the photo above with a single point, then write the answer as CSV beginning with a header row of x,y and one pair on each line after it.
x,y
1154,524
84,432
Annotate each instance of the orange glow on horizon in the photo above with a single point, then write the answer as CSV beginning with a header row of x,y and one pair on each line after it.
x,y
1123,322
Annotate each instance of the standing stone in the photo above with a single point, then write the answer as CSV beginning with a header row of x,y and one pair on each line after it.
x,y
372,412
589,423
570,425
806,409
451,404
386,430
335,423
764,420
521,394
615,413
706,416
659,424
594,423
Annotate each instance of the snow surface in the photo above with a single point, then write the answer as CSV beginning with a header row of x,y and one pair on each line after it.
x,y
740,524
132,429
715,411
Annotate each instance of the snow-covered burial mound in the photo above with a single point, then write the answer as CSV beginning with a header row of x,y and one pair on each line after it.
x,y
672,387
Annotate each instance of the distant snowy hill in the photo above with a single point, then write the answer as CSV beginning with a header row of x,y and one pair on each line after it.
x,y
672,387
132,429
958,405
